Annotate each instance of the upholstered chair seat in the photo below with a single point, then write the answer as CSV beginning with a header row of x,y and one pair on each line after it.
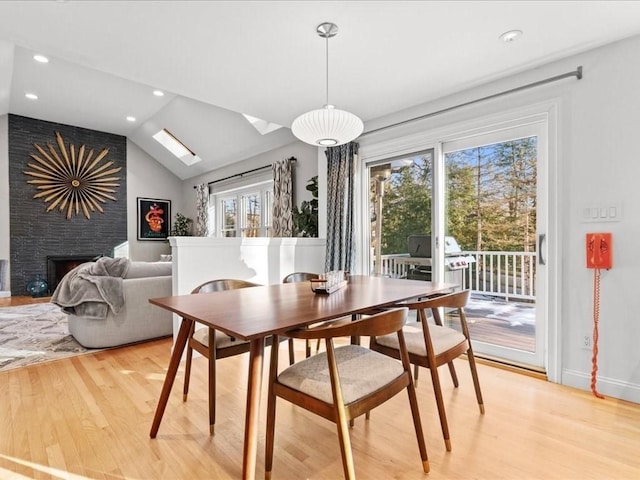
x,y
222,340
362,371
443,339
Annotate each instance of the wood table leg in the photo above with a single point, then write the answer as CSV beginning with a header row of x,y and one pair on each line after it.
x,y
174,363
254,388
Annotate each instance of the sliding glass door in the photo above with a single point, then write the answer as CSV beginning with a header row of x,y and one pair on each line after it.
x,y
494,204
472,212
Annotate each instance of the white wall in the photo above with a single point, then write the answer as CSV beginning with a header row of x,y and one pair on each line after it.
x,y
595,164
260,260
305,168
147,178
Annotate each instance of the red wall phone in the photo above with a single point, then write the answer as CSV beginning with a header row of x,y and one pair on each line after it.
x,y
599,250
599,255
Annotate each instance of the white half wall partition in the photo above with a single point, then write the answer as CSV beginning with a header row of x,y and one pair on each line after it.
x,y
260,260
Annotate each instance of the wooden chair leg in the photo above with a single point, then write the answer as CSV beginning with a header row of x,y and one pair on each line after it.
x,y
437,390
416,369
187,373
474,375
345,449
292,354
454,375
417,424
271,413
212,381
340,414
307,349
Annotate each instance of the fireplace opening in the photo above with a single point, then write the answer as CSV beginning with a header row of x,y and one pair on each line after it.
x,y
59,266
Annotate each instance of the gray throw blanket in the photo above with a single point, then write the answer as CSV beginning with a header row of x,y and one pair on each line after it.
x,y
91,289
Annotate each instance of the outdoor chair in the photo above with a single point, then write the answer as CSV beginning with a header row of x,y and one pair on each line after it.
x,y
224,345
358,380
433,345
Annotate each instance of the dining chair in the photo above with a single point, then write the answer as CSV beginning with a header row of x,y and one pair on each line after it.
x,y
303,277
223,347
358,380
431,345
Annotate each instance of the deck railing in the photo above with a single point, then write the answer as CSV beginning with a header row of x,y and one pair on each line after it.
x,y
509,275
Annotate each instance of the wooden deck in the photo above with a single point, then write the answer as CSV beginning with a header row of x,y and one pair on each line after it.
x,y
508,324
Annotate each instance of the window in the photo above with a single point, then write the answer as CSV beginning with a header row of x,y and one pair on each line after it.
x,y
242,212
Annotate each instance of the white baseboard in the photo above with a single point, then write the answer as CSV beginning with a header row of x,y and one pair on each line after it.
x,y
5,293
608,387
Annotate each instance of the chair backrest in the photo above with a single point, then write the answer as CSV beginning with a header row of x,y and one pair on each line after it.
x,y
388,321
448,300
223,284
299,277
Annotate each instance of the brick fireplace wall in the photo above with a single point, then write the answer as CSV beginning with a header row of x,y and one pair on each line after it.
x,y
36,233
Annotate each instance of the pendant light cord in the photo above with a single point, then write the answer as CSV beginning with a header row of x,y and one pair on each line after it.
x,y
327,70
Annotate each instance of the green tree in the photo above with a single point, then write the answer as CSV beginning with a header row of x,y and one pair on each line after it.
x,y
406,204
491,198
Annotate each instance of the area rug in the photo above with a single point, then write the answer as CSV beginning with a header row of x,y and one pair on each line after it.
x,y
35,333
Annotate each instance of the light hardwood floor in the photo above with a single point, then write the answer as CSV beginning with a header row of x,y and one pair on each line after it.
x,y
88,417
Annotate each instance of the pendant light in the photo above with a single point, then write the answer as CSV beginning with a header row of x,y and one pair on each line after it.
x,y
327,126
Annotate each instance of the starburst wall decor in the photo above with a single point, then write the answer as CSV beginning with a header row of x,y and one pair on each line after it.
x,y
72,181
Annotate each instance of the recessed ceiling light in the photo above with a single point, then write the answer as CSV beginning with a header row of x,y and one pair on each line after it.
x,y
31,96
41,58
158,93
131,119
510,36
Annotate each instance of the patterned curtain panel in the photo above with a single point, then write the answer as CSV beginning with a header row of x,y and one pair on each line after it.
x,y
340,198
202,210
281,220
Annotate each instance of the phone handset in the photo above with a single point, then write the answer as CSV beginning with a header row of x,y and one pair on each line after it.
x,y
599,250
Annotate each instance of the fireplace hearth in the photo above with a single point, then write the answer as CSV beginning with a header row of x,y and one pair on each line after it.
x,y
59,266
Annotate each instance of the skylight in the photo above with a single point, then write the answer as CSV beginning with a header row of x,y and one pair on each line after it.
x,y
176,147
262,126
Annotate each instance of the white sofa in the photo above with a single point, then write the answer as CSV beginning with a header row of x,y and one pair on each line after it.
x,y
138,320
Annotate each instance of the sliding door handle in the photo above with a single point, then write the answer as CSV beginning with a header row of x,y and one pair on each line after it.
x,y
541,238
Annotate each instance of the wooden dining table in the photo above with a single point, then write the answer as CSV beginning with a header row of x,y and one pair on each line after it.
x,y
255,313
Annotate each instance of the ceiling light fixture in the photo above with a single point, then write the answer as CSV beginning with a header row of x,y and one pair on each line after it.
x,y
131,119
158,93
169,141
327,126
31,96
510,36
41,58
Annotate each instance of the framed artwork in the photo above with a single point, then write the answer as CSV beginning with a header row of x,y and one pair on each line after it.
x,y
154,219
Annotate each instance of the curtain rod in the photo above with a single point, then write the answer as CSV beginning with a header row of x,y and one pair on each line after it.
x,y
292,159
576,73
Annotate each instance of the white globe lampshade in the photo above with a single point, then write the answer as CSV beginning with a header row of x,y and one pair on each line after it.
x,y
327,127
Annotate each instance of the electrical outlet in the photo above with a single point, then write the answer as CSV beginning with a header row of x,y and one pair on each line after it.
x,y
585,341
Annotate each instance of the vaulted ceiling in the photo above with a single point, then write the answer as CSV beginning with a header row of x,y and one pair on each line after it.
x,y
218,60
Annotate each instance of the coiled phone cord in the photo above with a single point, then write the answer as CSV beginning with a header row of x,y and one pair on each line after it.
x,y
596,319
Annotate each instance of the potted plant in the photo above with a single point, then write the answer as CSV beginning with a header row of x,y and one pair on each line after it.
x,y
305,218
181,226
